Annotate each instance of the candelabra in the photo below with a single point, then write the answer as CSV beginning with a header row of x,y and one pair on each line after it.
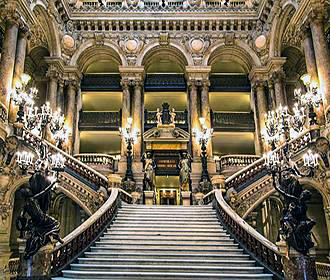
x,y
203,137
130,136
281,125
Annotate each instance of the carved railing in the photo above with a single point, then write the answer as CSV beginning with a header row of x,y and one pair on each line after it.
x,y
150,119
78,241
262,250
97,159
229,161
323,271
99,120
168,4
228,121
73,166
252,173
13,267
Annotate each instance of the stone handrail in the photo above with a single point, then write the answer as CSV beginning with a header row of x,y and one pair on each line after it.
x,y
83,236
96,159
261,249
235,161
323,270
256,170
84,171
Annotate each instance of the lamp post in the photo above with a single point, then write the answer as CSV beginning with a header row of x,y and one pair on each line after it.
x,y
203,137
130,136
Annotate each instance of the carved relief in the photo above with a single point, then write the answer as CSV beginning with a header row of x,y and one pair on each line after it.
x,y
197,46
131,45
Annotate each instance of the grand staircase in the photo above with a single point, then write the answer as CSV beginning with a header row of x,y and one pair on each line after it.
x,y
165,242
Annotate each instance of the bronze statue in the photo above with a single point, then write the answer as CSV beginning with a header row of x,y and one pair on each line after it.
x,y
185,169
149,172
295,225
34,220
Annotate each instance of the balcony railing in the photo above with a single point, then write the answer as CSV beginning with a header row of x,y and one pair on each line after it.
x,y
167,5
99,120
323,271
104,160
230,161
181,119
225,121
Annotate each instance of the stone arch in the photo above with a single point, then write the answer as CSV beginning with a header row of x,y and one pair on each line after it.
x,y
88,53
155,49
278,28
51,31
240,53
304,181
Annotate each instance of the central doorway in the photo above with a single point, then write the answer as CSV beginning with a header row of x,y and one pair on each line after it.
x,y
167,190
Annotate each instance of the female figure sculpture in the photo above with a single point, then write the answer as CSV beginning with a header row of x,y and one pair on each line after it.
x,y
184,166
149,172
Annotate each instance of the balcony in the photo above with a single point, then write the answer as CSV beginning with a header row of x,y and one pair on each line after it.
x,y
222,122
231,122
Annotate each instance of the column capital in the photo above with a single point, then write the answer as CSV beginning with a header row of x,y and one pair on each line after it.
x,y
10,14
318,11
198,73
131,73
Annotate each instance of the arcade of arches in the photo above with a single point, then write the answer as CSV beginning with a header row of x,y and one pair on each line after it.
x,y
104,64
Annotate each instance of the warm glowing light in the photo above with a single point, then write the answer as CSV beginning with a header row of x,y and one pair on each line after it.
x,y
25,78
306,78
202,121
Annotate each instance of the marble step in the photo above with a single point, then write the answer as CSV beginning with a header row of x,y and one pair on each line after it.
x,y
164,249
239,255
151,233
71,274
167,219
168,243
166,268
165,225
171,262
138,238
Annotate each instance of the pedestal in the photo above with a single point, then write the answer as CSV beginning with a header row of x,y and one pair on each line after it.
x,y
39,264
297,266
185,198
199,198
114,181
218,181
136,197
149,197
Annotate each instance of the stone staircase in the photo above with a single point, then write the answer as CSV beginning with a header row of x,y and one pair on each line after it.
x,y
165,242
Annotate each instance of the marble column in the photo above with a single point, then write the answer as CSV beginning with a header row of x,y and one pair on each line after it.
x,y
280,96
7,64
60,95
262,110
194,121
310,55
137,119
125,112
206,112
322,57
272,94
52,89
18,68
71,101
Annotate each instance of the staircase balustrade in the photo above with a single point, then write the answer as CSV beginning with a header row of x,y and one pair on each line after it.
x,y
250,174
229,161
83,171
97,159
323,271
261,249
78,241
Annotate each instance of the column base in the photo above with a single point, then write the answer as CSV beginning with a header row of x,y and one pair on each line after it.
x,y
149,197
185,198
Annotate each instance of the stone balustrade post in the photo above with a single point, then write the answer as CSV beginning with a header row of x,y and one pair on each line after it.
x,y
7,62
322,56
